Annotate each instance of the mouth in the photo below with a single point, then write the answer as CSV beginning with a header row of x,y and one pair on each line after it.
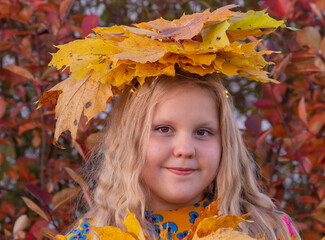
x,y
181,171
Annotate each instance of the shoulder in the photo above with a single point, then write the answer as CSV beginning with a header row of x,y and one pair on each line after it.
x,y
81,232
289,225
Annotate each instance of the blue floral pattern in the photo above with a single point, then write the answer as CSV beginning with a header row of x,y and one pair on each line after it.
x,y
182,235
193,216
81,232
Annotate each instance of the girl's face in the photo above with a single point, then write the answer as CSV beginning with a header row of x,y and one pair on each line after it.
x,y
184,148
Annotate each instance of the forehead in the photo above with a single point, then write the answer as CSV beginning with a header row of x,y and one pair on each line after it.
x,y
188,101
188,90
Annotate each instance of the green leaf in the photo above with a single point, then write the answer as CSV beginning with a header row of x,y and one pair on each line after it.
x,y
252,20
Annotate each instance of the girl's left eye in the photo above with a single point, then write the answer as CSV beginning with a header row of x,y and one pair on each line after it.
x,y
203,132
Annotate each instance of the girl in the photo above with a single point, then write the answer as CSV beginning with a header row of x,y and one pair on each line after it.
x,y
171,144
174,145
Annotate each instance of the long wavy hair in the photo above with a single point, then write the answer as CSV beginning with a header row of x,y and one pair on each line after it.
x,y
121,154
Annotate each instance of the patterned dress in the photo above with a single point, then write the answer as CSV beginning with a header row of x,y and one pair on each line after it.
x,y
177,221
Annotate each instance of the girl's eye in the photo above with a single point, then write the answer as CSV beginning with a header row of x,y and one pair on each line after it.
x,y
202,132
164,129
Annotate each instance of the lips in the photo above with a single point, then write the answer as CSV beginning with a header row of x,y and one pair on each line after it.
x,y
181,171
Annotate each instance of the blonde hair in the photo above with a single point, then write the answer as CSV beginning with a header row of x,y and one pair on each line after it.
x,y
122,156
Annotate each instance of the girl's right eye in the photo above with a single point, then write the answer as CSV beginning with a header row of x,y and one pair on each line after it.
x,y
164,129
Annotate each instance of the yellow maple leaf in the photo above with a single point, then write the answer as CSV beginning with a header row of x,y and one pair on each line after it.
x,y
201,70
187,26
133,230
81,55
212,224
252,20
140,49
243,34
113,233
215,36
133,226
155,69
225,234
76,97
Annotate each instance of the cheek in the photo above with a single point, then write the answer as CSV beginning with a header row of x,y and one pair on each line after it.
x,y
156,150
212,155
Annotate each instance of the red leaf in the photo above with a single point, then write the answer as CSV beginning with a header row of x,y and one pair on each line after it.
x,y
264,103
25,127
274,116
308,37
20,91
278,131
261,139
17,110
88,23
35,229
6,209
19,71
7,33
301,55
43,6
25,14
305,4
31,125
302,111
12,173
253,123
278,8
307,199
6,45
305,165
24,173
281,65
316,123
277,92
30,236
64,7
39,193
307,66
2,106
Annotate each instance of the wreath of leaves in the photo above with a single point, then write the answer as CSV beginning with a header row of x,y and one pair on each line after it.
x,y
113,57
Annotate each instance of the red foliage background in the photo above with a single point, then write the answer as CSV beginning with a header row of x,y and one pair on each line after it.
x,y
284,124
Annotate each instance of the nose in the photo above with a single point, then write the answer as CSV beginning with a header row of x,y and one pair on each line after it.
x,y
184,146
